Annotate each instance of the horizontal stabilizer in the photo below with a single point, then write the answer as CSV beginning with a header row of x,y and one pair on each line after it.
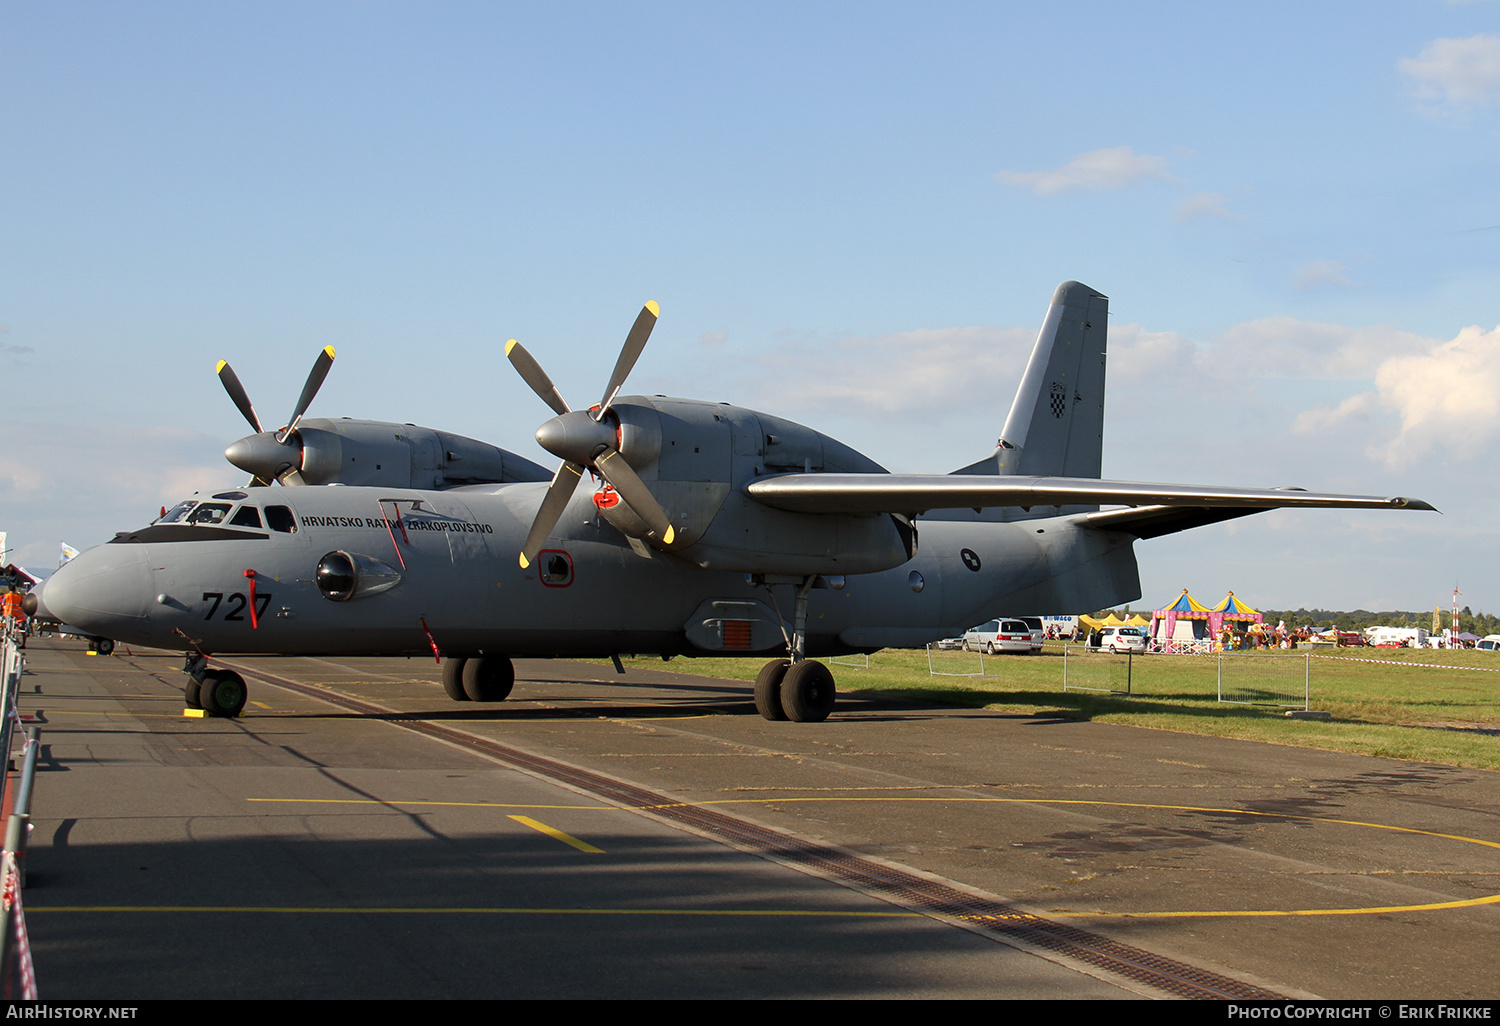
x,y
912,494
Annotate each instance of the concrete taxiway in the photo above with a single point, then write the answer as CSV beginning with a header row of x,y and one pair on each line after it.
x,y
357,834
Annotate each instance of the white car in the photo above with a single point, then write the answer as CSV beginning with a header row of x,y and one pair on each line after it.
x,y
1006,635
1123,639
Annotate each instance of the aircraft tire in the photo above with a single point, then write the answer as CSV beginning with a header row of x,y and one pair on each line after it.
x,y
768,689
807,692
223,693
453,679
104,646
488,678
190,694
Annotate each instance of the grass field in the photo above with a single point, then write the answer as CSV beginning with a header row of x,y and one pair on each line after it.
x,y
1396,703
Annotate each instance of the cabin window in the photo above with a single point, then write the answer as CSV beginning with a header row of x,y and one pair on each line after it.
x,y
177,512
556,568
280,518
245,516
209,513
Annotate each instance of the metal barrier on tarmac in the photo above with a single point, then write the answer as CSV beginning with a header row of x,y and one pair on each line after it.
x,y
17,974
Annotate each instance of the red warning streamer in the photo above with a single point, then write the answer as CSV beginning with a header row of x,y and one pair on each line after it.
x,y
435,653
254,624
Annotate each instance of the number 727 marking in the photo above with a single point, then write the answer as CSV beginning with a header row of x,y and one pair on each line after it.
x,y
235,610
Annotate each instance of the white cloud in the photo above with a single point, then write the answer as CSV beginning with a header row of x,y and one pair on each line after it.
x,y
1204,204
1355,410
1448,399
1097,170
713,338
1457,73
1321,272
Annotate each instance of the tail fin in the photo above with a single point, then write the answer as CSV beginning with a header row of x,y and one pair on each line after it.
x,y
1056,423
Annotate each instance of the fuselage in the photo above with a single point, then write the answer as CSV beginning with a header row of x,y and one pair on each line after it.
x,y
244,578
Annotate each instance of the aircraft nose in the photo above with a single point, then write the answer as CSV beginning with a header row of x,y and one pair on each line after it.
x,y
106,590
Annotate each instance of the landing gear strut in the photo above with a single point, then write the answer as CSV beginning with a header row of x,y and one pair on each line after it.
x,y
478,679
795,689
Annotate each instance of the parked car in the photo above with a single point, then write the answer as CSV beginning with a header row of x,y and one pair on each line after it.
x,y
1038,631
949,644
1490,643
1123,639
1006,635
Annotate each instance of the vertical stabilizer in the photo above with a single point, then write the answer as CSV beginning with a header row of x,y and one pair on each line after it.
x,y
1056,423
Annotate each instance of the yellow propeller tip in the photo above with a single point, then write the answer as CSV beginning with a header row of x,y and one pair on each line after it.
x,y
509,346
219,369
655,310
524,561
329,351
666,539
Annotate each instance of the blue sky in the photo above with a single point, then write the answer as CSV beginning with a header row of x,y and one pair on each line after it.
x,y
852,215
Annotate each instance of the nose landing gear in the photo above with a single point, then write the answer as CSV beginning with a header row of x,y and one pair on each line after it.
x,y
215,692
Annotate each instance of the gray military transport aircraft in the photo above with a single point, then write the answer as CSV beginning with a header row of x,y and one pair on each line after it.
x,y
710,529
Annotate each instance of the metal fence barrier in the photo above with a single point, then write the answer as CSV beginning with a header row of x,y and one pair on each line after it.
x,y
1283,681
952,657
17,974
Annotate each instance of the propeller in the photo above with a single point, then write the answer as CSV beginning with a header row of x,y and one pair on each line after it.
x,y
272,455
587,439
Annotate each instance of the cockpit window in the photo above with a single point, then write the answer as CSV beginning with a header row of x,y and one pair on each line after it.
x,y
280,518
177,512
209,513
245,516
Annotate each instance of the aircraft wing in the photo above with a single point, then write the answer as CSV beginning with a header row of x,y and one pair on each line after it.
x,y
913,494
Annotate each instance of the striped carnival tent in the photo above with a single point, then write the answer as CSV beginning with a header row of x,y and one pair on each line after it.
x,y
1183,625
1188,624
1233,609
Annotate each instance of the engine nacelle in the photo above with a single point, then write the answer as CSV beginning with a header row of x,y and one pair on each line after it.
x,y
379,454
697,458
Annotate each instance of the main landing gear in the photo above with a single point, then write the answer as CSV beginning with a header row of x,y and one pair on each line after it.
x,y
479,678
216,692
795,689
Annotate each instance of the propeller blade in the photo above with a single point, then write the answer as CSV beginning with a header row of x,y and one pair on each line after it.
x,y
309,390
613,468
640,331
237,393
531,372
553,504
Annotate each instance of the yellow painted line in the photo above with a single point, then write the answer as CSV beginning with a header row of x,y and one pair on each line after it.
x,y
1231,913
462,805
557,834
260,705
284,910
1490,899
